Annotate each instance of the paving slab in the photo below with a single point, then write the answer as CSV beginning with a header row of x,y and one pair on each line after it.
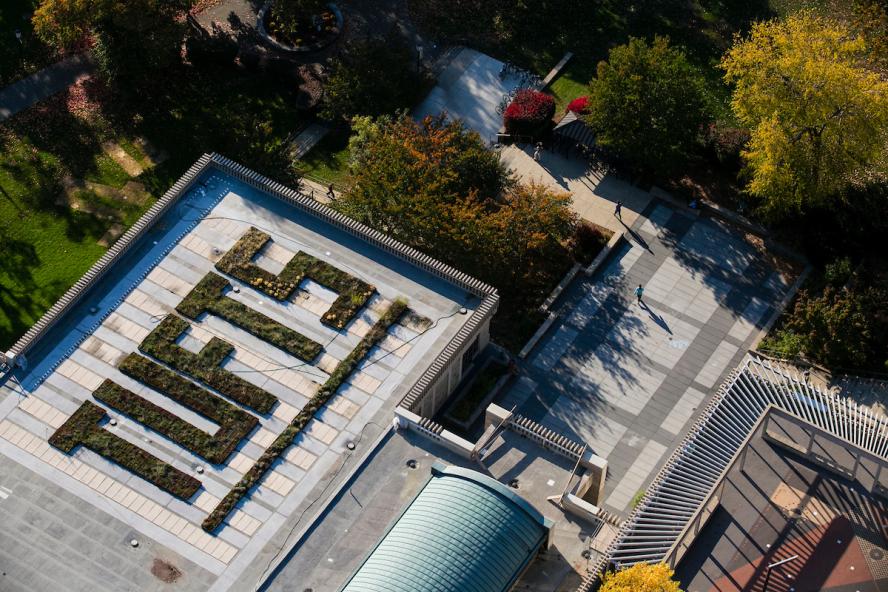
x,y
627,378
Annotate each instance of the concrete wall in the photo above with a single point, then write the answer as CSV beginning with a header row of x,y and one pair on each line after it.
x,y
438,392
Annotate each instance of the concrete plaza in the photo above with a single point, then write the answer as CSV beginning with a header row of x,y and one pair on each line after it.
x,y
594,194
626,377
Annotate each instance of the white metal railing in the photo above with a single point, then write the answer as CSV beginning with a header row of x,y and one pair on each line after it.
x,y
688,480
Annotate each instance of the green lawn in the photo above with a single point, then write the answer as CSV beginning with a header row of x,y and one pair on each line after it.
x,y
573,82
327,162
46,247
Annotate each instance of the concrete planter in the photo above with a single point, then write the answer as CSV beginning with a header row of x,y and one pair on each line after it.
x,y
263,32
488,398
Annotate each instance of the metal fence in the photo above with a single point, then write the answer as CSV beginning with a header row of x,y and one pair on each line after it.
x,y
684,489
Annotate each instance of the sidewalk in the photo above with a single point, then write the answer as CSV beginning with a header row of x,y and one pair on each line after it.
x,y
594,195
20,95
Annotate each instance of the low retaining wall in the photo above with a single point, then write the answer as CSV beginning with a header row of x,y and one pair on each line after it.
x,y
568,278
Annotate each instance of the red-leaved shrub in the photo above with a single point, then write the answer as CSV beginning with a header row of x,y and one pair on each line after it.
x,y
529,113
579,105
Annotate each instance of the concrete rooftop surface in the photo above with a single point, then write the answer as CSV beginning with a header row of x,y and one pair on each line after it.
x,y
42,487
362,513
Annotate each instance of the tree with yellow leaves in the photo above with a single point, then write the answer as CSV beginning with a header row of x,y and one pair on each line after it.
x,y
641,577
817,113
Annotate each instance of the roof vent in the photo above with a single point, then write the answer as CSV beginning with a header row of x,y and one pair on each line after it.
x,y
463,310
514,483
411,464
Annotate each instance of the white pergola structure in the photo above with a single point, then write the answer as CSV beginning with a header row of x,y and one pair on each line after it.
x,y
687,489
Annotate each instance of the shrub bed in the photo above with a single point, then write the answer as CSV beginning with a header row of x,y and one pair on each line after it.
x,y
204,367
234,424
208,296
588,240
580,105
353,293
82,429
283,441
530,113
301,23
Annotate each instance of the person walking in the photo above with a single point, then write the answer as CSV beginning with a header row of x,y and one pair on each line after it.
x,y
639,292
537,150
330,192
618,210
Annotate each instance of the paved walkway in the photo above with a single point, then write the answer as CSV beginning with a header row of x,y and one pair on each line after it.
x,y
470,89
20,95
628,378
594,194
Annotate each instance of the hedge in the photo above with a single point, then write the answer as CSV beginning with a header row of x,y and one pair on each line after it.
x,y
353,293
208,296
215,449
342,371
204,366
82,429
234,423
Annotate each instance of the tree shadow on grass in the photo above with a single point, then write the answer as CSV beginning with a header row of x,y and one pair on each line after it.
x,y
17,287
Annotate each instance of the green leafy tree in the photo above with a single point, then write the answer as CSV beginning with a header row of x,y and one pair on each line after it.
x,y
435,186
531,220
641,577
135,39
818,114
374,77
399,168
840,327
648,104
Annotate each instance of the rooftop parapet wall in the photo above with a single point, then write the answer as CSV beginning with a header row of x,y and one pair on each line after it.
x,y
302,202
